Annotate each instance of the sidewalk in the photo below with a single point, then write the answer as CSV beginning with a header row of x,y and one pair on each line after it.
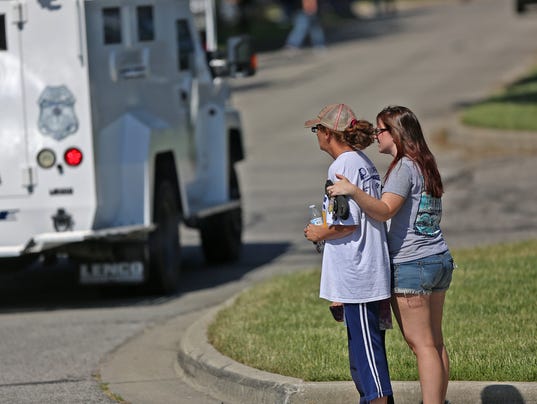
x,y
202,366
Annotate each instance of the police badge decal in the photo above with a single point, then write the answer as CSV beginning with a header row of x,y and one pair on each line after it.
x,y
57,116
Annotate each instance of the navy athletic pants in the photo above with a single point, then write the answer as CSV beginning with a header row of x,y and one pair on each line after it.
x,y
367,353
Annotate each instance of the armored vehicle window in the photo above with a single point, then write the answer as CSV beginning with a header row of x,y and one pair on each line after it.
x,y
112,25
3,41
146,26
185,46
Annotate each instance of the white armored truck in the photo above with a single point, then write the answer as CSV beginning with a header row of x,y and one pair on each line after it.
x,y
116,126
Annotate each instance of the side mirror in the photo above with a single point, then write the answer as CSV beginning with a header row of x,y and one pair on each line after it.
x,y
241,58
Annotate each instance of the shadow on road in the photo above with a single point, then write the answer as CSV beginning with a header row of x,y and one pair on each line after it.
x,y
56,287
501,393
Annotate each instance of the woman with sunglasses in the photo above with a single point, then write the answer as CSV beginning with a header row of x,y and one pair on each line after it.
x,y
420,259
355,268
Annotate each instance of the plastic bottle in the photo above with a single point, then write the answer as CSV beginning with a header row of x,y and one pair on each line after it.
x,y
316,219
315,216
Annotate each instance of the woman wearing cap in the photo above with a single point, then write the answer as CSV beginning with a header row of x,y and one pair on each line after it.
x,y
421,262
355,266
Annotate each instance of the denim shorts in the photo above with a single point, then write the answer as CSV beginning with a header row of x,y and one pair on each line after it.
x,y
424,275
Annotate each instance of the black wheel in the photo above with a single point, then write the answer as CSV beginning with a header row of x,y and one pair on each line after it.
x,y
221,236
520,6
164,244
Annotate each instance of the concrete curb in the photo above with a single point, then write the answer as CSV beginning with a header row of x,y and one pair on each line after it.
x,y
232,382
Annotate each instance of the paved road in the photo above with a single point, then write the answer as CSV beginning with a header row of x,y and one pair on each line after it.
x,y
432,59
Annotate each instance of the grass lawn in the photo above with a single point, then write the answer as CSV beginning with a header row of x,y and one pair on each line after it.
x,y
514,108
490,324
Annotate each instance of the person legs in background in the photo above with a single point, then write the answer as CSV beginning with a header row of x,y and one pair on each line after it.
x,y
298,34
306,23
316,32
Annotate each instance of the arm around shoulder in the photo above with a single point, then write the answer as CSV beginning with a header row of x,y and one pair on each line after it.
x,y
379,209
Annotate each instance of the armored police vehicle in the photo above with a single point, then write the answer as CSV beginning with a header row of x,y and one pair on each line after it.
x,y
115,127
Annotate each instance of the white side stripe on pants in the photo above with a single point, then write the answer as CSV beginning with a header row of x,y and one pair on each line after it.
x,y
369,347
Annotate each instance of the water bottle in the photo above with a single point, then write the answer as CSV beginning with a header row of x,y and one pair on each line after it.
x,y
316,219
315,216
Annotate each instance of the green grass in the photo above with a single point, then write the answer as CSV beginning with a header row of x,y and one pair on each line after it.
x,y
282,326
490,325
514,108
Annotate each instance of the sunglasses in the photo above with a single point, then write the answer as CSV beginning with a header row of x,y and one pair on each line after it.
x,y
378,131
316,128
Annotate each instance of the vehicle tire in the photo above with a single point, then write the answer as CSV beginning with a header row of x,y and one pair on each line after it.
x,y
520,6
221,236
164,242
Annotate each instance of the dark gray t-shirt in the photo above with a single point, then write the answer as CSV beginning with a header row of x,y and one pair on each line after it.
x,y
414,232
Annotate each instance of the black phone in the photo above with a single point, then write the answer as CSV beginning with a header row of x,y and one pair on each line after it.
x,y
337,312
341,203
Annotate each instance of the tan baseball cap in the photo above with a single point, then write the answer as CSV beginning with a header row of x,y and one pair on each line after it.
x,y
334,116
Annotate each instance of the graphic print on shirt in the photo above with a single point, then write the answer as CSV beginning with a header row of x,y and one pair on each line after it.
x,y
369,175
428,216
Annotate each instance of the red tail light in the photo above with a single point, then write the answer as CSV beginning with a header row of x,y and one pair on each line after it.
x,y
73,156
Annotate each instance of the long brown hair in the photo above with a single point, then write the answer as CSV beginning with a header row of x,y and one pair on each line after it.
x,y
408,137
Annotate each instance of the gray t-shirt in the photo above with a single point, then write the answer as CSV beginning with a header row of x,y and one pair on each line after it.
x,y
414,232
